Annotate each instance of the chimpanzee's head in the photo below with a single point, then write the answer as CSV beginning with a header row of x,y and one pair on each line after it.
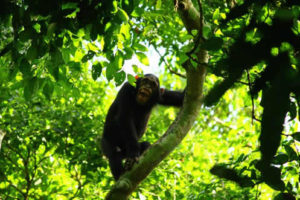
x,y
147,90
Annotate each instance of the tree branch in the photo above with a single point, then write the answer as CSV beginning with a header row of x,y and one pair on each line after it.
x,y
252,98
168,65
185,119
2,134
12,185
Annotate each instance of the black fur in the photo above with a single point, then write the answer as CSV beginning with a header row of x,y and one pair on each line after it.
x,y
126,123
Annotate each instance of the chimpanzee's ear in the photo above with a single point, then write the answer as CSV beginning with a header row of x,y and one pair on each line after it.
x,y
162,90
137,81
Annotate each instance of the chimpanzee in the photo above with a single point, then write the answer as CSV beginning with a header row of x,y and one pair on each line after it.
x,y
127,119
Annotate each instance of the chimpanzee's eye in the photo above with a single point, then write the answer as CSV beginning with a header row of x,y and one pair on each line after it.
x,y
153,83
144,81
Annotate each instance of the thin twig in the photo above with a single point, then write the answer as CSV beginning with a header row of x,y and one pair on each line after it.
x,y
12,185
257,191
11,161
9,147
252,99
176,5
201,19
268,15
27,174
200,32
80,185
199,38
242,82
168,65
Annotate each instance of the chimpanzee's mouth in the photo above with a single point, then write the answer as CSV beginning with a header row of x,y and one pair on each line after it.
x,y
144,92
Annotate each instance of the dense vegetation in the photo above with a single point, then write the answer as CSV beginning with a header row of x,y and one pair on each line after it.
x,y
60,63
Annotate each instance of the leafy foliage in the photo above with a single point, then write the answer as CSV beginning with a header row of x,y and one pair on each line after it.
x,y
47,42
51,110
44,135
270,36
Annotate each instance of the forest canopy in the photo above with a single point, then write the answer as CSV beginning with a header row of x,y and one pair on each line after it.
x,y
237,135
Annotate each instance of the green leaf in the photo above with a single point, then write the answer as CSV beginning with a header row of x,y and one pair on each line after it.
x,y
57,58
136,69
223,171
296,136
158,4
51,29
32,52
291,153
182,57
241,158
48,90
128,5
31,86
75,66
88,56
131,79
25,68
125,31
194,32
122,15
115,7
253,174
110,72
128,53
284,196
280,159
142,58
96,70
26,35
140,47
293,111
54,71
27,93
137,12
120,77
119,60
216,14
213,44
289,186
66,55
207,31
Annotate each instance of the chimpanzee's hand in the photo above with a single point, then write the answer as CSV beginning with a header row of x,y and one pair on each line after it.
x,y
130,162
133,151
133,155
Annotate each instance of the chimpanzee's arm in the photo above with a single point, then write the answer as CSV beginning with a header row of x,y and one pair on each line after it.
x,y
130,137
126,102
171,98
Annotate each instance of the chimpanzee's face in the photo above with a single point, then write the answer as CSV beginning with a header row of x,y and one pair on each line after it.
x,y
147,87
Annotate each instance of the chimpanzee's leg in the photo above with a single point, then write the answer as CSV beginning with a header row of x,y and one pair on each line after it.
x,y
116,167
115,156
131,161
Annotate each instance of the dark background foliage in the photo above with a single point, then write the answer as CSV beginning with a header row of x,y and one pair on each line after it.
x,y
56,55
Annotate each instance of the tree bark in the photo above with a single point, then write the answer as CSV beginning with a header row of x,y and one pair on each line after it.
x,y
183,122
2,134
